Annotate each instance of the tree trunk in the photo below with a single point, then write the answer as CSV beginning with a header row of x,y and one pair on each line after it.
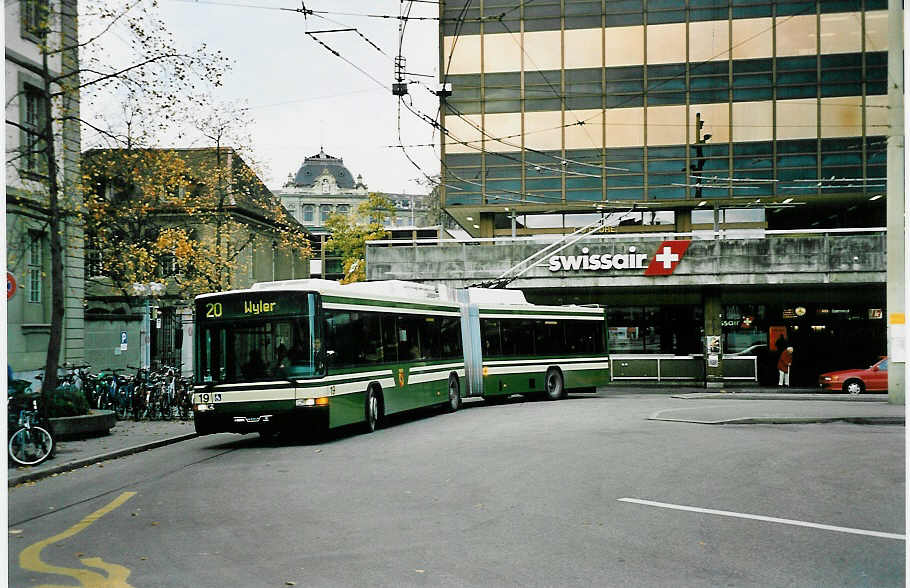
x,y
55,237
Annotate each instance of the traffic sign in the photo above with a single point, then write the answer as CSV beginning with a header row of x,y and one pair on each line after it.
x,y
11,286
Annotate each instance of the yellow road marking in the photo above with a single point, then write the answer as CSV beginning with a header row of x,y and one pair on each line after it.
x,y
115,575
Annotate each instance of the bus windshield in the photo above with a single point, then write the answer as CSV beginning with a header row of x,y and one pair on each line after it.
x,y
260,349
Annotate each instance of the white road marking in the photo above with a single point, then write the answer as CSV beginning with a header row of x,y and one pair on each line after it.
x,y
727,513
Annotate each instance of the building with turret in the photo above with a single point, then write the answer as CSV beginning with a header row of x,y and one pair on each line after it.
x,y
323,185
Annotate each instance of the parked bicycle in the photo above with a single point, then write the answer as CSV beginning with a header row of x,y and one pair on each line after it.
x,y
184,397
79,379
106,390
140,394
30,439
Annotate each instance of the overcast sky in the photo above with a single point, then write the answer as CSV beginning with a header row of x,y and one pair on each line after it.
x,y
301,96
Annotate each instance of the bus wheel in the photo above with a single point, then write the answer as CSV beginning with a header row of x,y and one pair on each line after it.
x,y
454,395
373,409
555,387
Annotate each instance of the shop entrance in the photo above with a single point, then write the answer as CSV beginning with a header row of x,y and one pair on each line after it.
x,y
824,338
834,342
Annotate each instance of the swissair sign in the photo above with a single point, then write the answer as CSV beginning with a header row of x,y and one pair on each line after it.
x,y
663,261
667,258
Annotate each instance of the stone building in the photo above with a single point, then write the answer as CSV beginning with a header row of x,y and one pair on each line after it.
x,y
28,243
323,185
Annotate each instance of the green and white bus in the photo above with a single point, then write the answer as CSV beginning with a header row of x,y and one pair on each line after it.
x,y
298,354
285,356
533,349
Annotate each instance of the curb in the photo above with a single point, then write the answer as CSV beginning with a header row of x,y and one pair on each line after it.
x,y
775,396
27,476
870,420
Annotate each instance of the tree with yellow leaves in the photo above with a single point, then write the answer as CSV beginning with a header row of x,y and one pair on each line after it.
x,y
195,220
351,232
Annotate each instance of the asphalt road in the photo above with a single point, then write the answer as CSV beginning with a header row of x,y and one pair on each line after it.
x,y
581,492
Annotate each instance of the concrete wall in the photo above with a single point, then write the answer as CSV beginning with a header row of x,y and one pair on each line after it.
x,y
776,259
102,341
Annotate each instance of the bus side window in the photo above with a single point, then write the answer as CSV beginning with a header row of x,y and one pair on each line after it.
x,y
389,339
369,337
490,335
409,344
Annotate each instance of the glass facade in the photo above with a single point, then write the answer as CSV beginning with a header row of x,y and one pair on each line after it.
x,y
581,101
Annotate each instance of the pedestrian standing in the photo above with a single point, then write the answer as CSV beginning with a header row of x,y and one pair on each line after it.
x,y
783,367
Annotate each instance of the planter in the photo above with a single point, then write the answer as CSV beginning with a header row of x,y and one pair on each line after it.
x,y
97,423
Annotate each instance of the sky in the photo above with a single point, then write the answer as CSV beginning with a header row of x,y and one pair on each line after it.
x,y
302,97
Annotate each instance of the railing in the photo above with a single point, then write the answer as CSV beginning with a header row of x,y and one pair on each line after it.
x,y
679,368
721,234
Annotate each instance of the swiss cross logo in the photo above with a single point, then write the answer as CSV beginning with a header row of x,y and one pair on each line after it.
x,y
667,258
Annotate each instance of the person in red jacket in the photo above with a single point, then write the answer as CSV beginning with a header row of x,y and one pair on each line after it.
x,y
783,367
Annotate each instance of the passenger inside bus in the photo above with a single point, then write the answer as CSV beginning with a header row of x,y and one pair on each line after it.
x,y
281,359
255,367
318,355
298,354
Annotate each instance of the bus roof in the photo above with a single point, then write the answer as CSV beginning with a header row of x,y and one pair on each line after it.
x,y
514,300
400,290
391,290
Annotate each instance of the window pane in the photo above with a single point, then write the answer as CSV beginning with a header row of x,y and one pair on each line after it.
x,y
489,335
517,337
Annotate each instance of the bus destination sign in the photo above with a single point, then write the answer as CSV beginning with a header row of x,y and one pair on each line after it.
x,y
246,306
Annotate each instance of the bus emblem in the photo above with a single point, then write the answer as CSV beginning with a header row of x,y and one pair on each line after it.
x,y
401,377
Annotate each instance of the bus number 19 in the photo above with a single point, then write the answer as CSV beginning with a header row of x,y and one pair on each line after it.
x,y
213,310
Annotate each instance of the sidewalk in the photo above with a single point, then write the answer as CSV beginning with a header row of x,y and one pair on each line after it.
x,y
759,405
125,438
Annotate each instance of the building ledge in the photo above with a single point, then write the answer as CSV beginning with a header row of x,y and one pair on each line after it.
x,y
29,328
111,316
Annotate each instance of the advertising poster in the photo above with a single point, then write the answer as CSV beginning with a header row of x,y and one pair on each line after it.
x,y
774,335
713,344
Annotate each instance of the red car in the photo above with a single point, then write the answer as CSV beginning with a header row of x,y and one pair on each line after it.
x,y
873,378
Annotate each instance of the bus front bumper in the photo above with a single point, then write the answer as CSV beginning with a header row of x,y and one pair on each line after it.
x,y
299,420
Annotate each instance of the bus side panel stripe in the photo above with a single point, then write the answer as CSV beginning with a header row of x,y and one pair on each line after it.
x,y
389,310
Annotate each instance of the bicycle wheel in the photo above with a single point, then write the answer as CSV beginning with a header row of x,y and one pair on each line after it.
x,y
30,446
165,406
123,408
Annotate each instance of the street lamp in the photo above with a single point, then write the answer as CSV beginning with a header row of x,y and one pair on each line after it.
x,y
146,290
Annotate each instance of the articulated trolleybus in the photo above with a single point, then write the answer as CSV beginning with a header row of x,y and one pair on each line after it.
x,y
299,355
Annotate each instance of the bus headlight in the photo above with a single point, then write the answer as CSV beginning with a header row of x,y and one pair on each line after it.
x,y
322,401
203,407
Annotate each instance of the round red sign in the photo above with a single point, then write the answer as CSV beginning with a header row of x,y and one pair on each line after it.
x,y
10,285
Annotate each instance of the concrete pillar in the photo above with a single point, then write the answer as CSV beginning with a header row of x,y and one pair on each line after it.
x,y
322,255
486,224
713,334
683,221
896,208
185,315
